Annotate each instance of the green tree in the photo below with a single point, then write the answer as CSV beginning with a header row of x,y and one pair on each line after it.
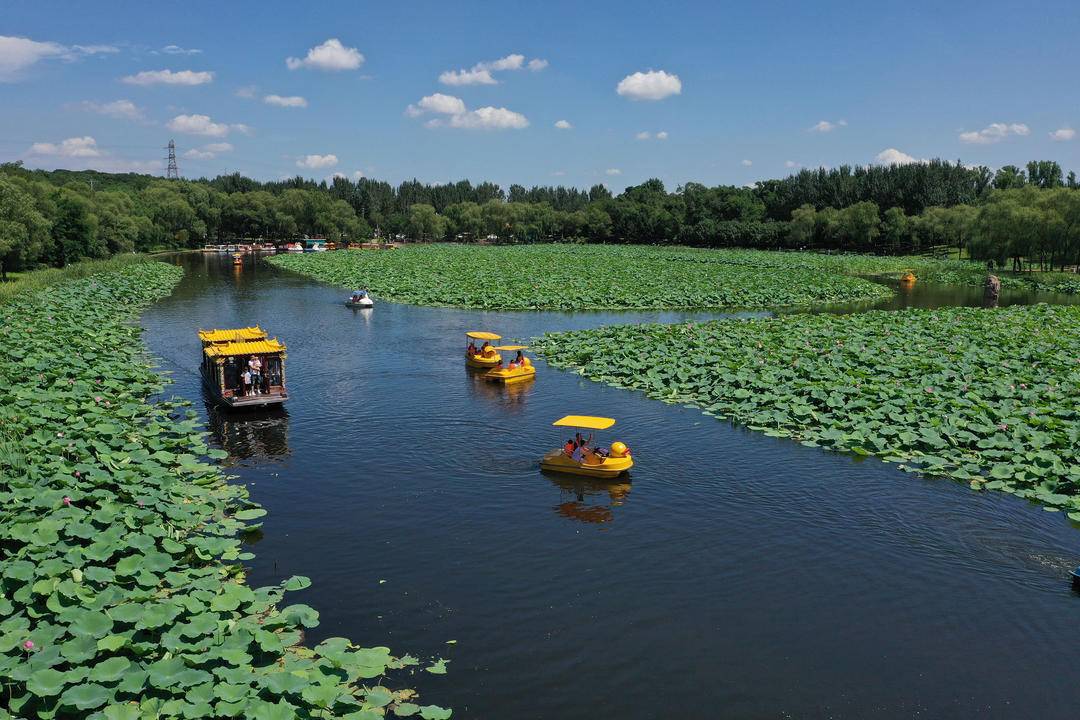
x,y
23,230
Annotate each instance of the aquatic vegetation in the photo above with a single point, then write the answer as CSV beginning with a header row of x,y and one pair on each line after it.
x,y
584,277
122,591
989,397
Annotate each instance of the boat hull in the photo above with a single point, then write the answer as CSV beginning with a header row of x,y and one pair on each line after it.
x,y
508,376
557,461
244,402
479,362
359,305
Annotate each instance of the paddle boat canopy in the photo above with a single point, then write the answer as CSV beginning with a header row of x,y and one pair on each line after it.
x,y
360,299
583,460
513,372
228,354
483,356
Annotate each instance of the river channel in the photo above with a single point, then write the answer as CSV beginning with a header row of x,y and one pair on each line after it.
x,y
733,576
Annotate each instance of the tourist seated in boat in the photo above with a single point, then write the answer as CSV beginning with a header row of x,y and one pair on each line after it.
x,y
471,350
486,350
570,447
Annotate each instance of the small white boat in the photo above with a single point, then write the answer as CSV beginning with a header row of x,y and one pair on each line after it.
x,y
360,299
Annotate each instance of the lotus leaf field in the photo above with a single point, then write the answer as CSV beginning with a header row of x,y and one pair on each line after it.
x,y
585,277
989,397
122,592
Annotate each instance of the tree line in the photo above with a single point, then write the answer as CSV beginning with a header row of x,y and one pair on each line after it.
x,y
56,217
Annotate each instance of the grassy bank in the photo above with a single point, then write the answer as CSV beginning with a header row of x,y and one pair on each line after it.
x,y
24,282
987,397
584,277
122,588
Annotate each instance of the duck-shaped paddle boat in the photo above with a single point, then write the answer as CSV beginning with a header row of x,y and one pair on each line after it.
x,y
360,299
578,458
484,356
517,370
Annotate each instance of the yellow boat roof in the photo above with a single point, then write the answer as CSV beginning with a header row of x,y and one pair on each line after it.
x,y
254,347
236,335
585,421
479,335
511,348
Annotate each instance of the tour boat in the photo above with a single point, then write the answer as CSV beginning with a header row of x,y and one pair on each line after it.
x,y
225,358
508,375
592,463
485,358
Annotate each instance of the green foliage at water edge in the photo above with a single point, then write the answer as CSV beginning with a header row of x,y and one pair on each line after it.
x,y
122,590
583,277
989,397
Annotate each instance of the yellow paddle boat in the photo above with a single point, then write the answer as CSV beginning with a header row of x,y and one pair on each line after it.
x,y
908,278
517,373
592,462
485,356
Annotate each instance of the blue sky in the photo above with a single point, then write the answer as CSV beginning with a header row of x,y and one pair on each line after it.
x,y
744,89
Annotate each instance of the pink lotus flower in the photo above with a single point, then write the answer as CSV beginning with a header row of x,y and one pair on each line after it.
x,y
97,398
1003,426
141,504
28,645
67,501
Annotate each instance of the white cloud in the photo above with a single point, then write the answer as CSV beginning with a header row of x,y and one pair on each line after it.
x,y
120,109
168,77
489,118
643,135
203,125
356,175
458,116
747,163
994,132
19,53
177,50
563,124
75,147
313,162
1063,134
651,85
559,173
613,171
247,92
285,101
437,103
824,126
662,135
892,156
481,72
792,164
208,151
95,49
510,62
331,55
82,153
467,77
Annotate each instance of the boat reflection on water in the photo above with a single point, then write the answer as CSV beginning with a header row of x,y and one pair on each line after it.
x,y
364,313
588,501
512,396
250,437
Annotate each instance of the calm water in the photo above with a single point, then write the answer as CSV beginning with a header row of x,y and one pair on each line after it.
x,y
735,575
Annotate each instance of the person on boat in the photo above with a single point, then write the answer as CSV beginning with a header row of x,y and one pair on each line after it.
x,y
247,383
513,364
569,447
355,297
471,350
486,349
255,365
520,360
